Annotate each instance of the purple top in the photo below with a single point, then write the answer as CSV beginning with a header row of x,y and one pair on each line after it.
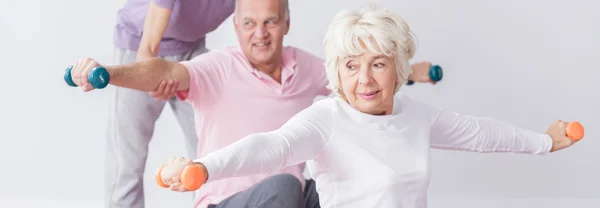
x,y
190,21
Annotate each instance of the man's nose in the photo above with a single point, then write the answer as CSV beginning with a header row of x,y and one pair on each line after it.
x,y
261,32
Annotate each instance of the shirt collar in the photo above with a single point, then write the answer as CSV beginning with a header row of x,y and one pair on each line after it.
x,y
288,66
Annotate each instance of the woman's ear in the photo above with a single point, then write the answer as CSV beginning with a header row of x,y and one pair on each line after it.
x,y
340,92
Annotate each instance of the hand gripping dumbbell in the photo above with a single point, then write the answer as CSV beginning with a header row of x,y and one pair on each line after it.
x,y
192,177
435,74
98,77
575,131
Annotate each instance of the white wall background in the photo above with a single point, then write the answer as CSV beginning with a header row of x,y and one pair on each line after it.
x,y
525,62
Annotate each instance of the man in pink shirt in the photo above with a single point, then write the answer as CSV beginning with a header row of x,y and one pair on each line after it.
x,y
236,91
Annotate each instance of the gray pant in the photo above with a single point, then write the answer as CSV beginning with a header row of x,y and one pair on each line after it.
x,y
130,129
279,191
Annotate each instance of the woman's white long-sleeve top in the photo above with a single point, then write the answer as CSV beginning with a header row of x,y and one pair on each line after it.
x,y
362,160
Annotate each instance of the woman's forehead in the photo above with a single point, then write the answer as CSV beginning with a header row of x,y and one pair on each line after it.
x,y
368,54
357,50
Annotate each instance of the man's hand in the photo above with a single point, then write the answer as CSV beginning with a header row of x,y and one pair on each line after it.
x,y
421,72
166,90
80,72
559,136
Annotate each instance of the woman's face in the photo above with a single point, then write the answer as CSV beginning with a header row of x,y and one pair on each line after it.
x,y
368,82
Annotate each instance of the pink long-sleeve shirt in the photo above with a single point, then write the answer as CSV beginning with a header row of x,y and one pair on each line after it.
x,y
361,160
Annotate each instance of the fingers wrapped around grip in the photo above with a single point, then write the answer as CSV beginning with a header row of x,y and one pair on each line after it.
x,y
192,177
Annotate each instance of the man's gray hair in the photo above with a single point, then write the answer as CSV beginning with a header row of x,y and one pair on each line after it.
x,y
286,5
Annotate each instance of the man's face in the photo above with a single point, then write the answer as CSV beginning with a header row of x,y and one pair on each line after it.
x,y
260,26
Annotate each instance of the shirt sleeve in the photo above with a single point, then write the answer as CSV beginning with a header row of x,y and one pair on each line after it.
x,y
208,73
482,134
298,140
167,4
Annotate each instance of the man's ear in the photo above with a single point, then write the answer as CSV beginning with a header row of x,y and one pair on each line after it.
x,y
287,26
234,20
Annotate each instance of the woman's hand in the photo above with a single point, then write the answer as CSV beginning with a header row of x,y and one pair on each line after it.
x,y
171,172
559,136
180,174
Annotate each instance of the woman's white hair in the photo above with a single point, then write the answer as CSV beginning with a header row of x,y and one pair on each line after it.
x,y
368,30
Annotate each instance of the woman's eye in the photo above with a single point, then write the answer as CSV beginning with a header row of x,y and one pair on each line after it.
x,y
379,65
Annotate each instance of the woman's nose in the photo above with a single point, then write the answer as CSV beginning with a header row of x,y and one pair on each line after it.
x,y
364,77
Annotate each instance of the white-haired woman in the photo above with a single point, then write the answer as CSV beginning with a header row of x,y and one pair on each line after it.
x,y
370,146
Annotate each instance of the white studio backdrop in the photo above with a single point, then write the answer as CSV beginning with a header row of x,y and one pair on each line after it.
x,y
524,62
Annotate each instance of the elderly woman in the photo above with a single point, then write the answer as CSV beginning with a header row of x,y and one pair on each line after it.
x,y
370,146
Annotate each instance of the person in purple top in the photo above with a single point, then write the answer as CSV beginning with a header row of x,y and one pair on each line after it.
x,y
170,29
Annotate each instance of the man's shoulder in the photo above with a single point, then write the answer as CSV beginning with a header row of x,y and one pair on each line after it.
x,y
227,51
220,54
301,54
305,60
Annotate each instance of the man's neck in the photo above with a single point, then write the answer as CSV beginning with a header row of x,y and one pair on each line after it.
x,y
273,70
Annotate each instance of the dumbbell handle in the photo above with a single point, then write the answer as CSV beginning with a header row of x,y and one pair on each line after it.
x,y
192,177
575,131
435,74
98,77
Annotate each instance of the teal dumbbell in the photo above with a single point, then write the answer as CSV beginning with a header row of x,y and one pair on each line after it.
x,y
435,74
98,77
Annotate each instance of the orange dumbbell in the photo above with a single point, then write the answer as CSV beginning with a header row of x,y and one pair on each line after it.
x,y
574,131
192,177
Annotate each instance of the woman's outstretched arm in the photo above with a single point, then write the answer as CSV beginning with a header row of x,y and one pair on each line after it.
x,y
298,140
454,131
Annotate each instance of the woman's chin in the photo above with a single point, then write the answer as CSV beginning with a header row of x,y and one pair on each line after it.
x,y
369,108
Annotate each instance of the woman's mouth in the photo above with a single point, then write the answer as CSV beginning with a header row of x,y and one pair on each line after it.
x,y
369,95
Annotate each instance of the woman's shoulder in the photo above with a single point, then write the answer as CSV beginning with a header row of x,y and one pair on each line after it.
x,y
326,106
416,105
328,103
407,100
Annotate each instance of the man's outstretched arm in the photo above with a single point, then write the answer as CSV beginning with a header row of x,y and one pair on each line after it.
x,y
144,76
